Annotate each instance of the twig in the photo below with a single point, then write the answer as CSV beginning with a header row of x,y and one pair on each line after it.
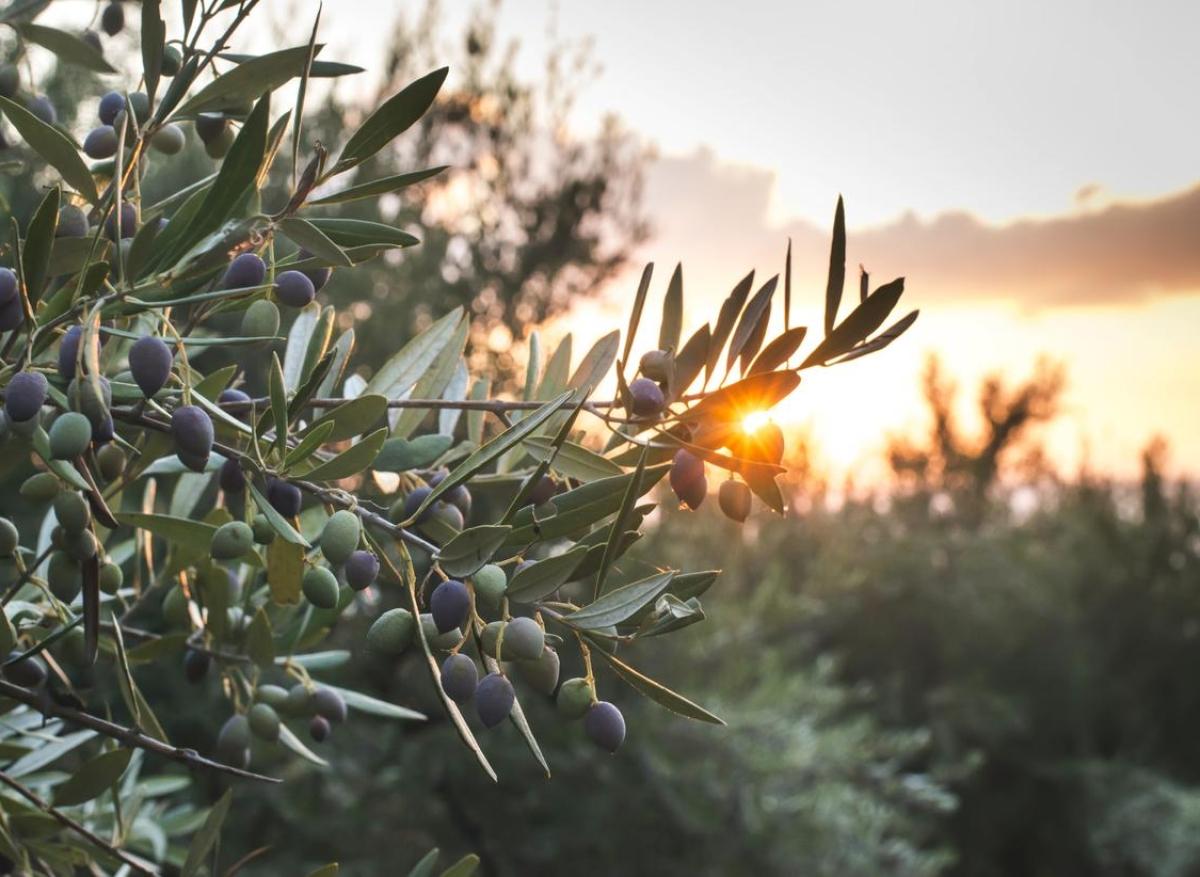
x,y
29,795
122,734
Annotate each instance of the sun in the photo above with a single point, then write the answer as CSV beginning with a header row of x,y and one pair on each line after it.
x,y
754,421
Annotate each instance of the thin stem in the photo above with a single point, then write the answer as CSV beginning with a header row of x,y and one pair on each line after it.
x,y
121,733
138,866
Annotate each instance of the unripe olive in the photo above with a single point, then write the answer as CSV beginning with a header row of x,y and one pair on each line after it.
x,y
40,487
340,536
272,695
246,270
734,499
82,545
172,60
25,396
261,320
72,223
450,605
299,701
195,666
657,365
391,633
294,289
646,397
150,363
63,576
319,729
111,104
489,637
10,539
284,498
140,102
490,585
605,725
232,478
460,676
435,638
264,533
231,541
329,704
524,640
361,569
70,436
175,608
28,673
264,722
192,430
72,511
541,675
111,577
112,19
111,460
320,587
494,697
169,140
688,479
574,698
100,142
233,742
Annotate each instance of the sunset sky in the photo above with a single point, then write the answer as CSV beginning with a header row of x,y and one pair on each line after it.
x,y
1030,168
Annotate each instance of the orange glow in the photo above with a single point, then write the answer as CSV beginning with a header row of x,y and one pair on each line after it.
x,y
754,421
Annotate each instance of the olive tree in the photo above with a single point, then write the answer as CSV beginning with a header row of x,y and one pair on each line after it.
x,y
168,517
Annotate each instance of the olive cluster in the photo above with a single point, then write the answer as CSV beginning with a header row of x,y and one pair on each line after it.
x,y
264,717
455,624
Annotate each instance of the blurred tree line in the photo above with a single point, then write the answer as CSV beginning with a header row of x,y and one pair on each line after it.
x,y
931,679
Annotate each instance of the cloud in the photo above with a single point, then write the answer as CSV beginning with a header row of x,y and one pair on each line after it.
x,y
716,218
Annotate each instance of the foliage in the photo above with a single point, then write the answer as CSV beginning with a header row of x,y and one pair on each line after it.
x,y
170,516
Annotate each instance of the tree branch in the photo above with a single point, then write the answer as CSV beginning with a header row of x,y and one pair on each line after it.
x,y
137,865
120,733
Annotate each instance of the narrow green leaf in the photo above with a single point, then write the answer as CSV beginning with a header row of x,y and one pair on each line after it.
x,y
635,315
401,372
379,187
289,740
617,530
861,322
93,779
621,603
572,460
280,525
544,577
53,146
493,449
260,643
309,445
351,233
778,351
752,318
364,703
305,234
203,842
658,692
395,116
39,243
296,352
471,549
759,392
279,409
190,533
248,80
730,309
401,455
595,364
424,868
66,46
837,267
672,317
154,35
464,867
351,461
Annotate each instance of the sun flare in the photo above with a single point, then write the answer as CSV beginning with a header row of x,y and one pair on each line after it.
x,y
754,421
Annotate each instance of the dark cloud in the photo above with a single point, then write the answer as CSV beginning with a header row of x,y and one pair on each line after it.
x,y
716,218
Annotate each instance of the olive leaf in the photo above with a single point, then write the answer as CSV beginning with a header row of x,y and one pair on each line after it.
x,y
374,188
93,779
396,115
635,314
621,603
471,549
544,577
672,317
66,46
837,267
203,842
658,692
351,461
53,146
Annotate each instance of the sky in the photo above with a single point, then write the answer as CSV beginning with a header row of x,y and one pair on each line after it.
x,y
1029,167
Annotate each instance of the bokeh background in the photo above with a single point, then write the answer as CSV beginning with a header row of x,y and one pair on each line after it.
x,y
968,648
